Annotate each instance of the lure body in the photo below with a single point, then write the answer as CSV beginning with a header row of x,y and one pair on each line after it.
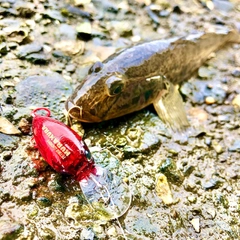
x,y
61,147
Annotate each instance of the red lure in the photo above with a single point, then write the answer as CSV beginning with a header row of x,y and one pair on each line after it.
x,y
61,147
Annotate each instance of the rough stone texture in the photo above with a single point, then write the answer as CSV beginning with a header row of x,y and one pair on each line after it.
x,y
202,170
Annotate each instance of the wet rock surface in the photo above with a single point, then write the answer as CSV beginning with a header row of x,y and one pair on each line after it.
x,y
183,188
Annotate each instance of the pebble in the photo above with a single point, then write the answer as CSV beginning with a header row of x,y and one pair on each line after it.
x,y
198,113
177,9
136,38
212,184
38,58
236,73
120,142
133,134
218,20
192,199
28,49
22,194
123,28
224,6
5,4
47,48
217,147
71,10
47,233
12,45
212,212
205,73
25,9
147,181
154,17
186,88
7,127
70,68
84,31
58,54
4,10
210,100
225,227
44,201
163,190
196,224
7,155
170,170
236,101
58,67
208,141
87,234
235,147
31,23
224,118
3,48
81,2
190,186
17,34
24,126
8,142
98,229
54,15
174,148
66,32
70,47
164,13
112,231
209,4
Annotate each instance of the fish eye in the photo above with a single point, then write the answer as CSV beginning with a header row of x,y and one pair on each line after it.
x,y
96,67
115,85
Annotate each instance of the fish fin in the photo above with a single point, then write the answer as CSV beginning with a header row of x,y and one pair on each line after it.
x,y
169,107
234,36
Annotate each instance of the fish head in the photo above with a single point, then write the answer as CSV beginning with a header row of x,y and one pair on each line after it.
x,y
94,98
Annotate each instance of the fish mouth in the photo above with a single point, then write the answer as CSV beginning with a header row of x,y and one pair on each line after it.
x,y
77,112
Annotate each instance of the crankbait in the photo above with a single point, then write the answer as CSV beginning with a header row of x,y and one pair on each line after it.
x,y
65,151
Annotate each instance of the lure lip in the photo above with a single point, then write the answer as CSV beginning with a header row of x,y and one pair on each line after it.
x,y
104,178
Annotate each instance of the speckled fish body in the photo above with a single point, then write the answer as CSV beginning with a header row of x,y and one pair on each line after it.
x,y
144,74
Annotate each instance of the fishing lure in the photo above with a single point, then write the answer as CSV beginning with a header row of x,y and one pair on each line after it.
x,y
65,151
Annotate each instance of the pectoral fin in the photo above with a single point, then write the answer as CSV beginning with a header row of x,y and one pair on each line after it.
x,y
169,107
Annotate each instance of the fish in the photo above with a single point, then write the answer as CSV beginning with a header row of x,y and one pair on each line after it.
x,y
144,74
